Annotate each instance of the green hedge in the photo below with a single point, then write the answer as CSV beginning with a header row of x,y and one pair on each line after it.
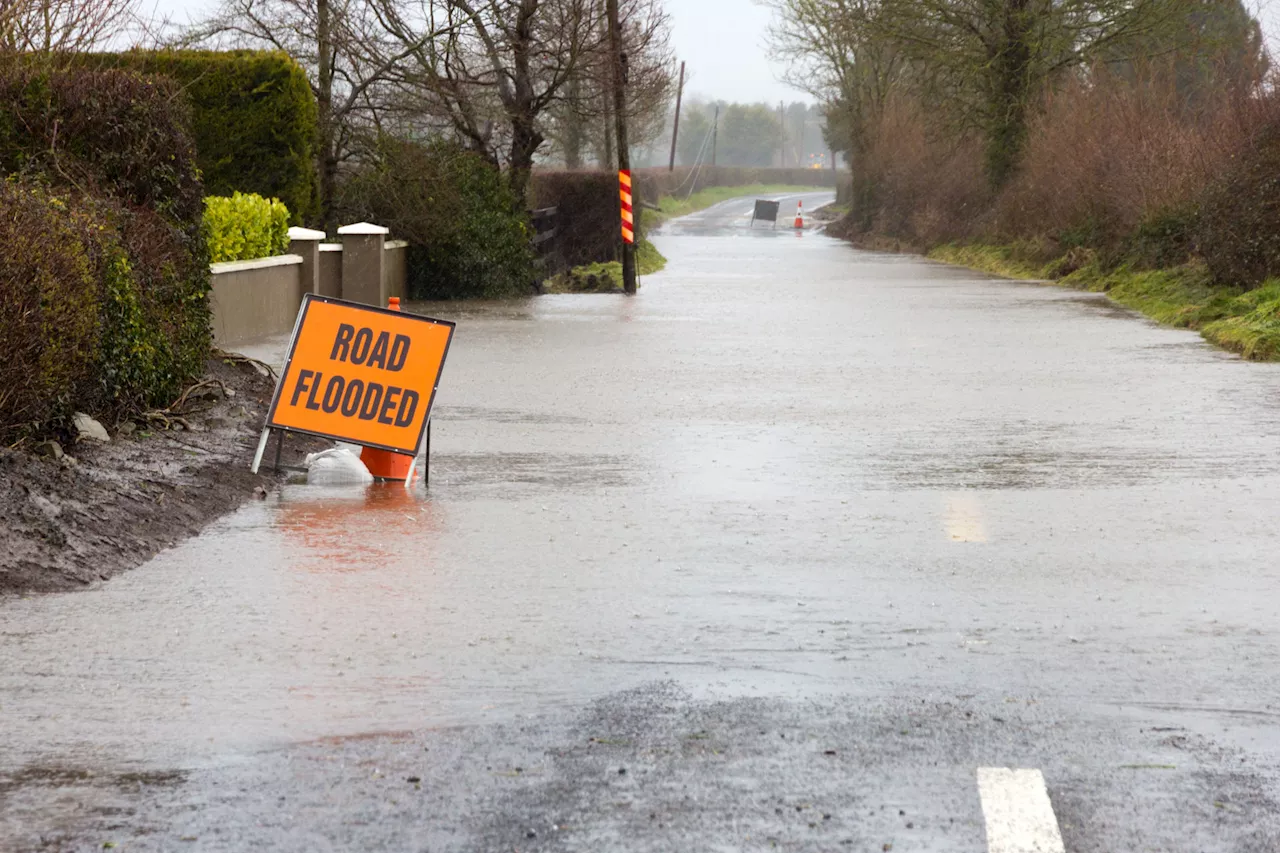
x,y
104,290
587,212
106,132
245,226
253,118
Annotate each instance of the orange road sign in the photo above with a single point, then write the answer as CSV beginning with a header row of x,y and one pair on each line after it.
x,y
360,374
628,218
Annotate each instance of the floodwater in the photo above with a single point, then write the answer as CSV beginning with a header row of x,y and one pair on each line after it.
x,y
786,468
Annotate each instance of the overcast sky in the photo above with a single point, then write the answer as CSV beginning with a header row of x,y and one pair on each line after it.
x,y
721,40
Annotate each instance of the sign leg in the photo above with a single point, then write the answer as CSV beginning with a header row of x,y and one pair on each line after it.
x,y
413,466
279,447
262,448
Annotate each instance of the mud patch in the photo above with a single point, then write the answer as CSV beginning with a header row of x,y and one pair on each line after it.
x,y
71,522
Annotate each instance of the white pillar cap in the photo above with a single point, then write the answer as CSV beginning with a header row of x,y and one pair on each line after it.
x,y
296,233
363,229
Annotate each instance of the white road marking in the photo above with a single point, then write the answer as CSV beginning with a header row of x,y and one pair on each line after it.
x,y
1018,812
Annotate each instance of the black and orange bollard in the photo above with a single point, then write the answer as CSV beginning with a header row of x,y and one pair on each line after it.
x,y
384,464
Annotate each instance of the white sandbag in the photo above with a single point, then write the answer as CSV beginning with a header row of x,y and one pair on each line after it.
x,y
336,467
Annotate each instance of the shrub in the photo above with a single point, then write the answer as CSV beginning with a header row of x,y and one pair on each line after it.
x,y
243,226
467,232
110,150
87,309
1240,214
253,119
1120,164
113,133
915,186
1115,171
48,308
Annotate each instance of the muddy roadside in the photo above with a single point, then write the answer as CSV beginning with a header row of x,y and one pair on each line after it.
x,y
84,511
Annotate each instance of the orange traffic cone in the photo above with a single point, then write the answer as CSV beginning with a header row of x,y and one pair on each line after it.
x,y
384,464
800,214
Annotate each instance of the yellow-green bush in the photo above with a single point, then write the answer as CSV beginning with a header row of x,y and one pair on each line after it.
x,y
245,226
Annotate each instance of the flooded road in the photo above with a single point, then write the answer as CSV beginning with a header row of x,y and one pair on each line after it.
x,y
901,520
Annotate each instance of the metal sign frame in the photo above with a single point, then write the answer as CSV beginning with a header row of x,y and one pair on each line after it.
x,y
307,301
766,210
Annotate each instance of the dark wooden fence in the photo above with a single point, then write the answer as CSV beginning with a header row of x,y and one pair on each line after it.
x,y
546,241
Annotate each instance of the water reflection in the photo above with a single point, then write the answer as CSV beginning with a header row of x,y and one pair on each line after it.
x,y
963,517
355,528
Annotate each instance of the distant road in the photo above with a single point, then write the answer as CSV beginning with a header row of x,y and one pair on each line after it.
x,y
734,215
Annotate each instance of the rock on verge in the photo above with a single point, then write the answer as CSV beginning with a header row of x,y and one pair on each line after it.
x,y
87,429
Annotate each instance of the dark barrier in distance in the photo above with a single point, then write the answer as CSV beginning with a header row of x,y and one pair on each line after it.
x,y
765,210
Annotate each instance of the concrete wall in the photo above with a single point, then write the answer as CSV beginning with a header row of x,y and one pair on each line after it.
x,y
255,299
252,300
395,268
331,270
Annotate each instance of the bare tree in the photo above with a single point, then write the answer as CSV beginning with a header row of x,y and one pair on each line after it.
x,y
507,70
584,115
349,57
62,26
983,63
500,66
834,52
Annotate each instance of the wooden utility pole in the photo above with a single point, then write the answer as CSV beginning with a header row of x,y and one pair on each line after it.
x,y
608,131
782,145
715,133
675,128
620,121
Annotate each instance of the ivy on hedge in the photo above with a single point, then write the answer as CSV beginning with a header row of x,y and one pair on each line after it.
x,y
245,226
253,118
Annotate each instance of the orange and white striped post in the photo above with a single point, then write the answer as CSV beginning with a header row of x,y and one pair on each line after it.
x,y
628,218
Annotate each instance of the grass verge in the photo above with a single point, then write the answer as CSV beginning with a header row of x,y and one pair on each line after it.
x,y
1242,321
606,277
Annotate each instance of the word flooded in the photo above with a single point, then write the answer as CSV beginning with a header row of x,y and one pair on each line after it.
x,y
361,374
354,398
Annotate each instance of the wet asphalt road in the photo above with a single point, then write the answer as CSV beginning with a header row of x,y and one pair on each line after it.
x,y
775,555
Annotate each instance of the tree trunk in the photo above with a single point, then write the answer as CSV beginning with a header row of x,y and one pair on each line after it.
x,y
1010,89
328,154
525,142
525,139
574,138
